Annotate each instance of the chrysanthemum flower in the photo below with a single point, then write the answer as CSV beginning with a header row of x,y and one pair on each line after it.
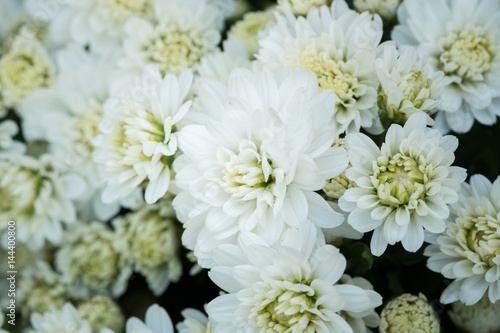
x,y
292,287
481,317
468,251
250,26
403,187
102,312
302,7
66,320
461,38
338,45
256,164
157,321
387,9
194,321
139,134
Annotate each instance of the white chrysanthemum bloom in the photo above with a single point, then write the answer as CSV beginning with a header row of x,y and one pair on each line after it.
x,y
139,134
407,84
40,289
256,164
153,243
468,251
339,46
157,321
465,44
65,320
250,26
102,312
184,32
335,187
481,317
408,313
25,67
403,187
92,260
387,9
302,7
194,321
38,192
8,129
292,287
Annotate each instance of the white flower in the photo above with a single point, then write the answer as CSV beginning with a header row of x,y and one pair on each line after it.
x,y
302,7
464,42
194,321
468,251
92,260
408,313
157,321
256,164
8,129
153,243
292,287
24,68
403,187
38,192
338,45
406,84
102,312
387,9
139,134
481,317
66,320
184,32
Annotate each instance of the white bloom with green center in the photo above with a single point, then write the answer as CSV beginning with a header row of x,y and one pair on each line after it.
x,y
339,46
464,43
481,317
256,164
139,134
302,7
403,187
39,192
409,313
157,321
92,259
183,32
102,312
194,321
65,320
407,84
387,9
291,287
153,243
469,249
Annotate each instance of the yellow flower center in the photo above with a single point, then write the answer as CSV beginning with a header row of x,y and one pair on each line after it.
x,y
480,235
120,10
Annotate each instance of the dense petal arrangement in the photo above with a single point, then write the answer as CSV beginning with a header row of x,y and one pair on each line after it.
x,y
403,187
464,43
139,134
468,250
255,165
338,45
66,320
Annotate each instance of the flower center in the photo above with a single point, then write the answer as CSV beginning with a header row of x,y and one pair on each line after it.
x,y
480,235
176,49
333,74
467,53
289,307
120,10
85,128
399,180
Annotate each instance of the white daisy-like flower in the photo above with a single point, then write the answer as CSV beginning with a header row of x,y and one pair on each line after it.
x,y
256,164
387,9
25,67
40,193
92,259
409,313
194,321
403,187
302,7
139,134
461,38
8,129
339,46
183,32
481,317
102,312
468,251
292,287
157,321
407,85
65,320
153,243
